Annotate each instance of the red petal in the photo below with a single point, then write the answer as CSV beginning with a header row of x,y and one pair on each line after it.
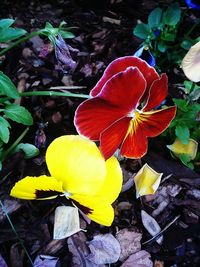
x,y
135,144
122,64
113,136
119,96
158,92
124,89
94,115
155,122
148,124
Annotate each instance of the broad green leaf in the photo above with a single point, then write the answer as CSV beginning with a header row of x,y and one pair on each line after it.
x,y
172,15
168,36
142,30
7,87
181,104
4,122
155,17
189,86
185,159
162,47
183,133
18,114
195,108
66,34
29,150
5,23
4,133
0,165
9,34
186,44
195,95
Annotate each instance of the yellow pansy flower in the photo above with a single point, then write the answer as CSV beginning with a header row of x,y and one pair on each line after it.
x,y
80,173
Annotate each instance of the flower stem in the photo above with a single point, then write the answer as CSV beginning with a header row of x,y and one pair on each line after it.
x,y
16,142
53,93
14,230
23,39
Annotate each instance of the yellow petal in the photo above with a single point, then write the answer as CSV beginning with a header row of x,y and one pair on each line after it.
x,y
189,149
191,63
78,163
42,187
96,208
113,181
66,222
147,181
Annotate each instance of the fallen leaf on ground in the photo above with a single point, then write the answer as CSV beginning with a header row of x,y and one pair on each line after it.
x,y
105,249
163,195
129,242
66,222
138,259
2,262
151,225
79,250
46,261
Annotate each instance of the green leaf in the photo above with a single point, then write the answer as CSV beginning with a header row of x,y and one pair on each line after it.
x,y
168,36
4,133
5,23
155,17
142,30
183,133
172,15
195,95
189,85
0,165
4,122
29,150
162,47
18,114
186,44
66,34
7,87
181,104
9,34
185,159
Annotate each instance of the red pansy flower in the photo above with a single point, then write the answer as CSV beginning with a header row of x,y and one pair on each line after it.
x,y
121,112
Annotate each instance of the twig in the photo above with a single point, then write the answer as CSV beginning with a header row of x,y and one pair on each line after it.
x,y
163,230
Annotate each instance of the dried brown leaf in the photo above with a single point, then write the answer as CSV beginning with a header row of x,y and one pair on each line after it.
x,y
46,261
130,242
2,262
151,225
138,259
105,249
79,250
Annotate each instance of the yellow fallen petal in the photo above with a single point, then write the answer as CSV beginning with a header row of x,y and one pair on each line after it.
x,y
113,181
78,163
42,187
96,208
66,222
147,181
189,149
191,63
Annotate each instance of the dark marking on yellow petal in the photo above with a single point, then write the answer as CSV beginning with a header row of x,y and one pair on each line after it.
x,y
46,193
84,209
